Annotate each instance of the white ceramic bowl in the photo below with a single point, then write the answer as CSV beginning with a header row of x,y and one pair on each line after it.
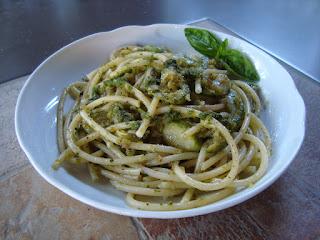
x,y
35,118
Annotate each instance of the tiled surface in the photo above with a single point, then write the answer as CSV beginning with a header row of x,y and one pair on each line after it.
x,y
30,208
11,155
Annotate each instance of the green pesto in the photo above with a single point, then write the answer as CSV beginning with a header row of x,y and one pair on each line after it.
x,y
118,114
172,116
134,125
215,84
115,82
174,84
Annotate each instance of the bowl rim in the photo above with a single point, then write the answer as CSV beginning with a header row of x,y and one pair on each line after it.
x,y
214,207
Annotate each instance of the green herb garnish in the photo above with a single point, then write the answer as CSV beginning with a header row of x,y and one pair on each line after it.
x,y
203,41
237,63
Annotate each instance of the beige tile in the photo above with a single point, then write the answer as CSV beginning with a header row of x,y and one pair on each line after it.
x,y
30,208
12,157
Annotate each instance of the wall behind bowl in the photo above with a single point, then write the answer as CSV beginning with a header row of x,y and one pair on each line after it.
x,y
32,30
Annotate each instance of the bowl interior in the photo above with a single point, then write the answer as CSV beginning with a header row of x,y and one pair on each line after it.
x,y
37,103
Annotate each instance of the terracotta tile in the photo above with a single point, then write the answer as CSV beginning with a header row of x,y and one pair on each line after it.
x,y
11,157
284,211
228,224
32,209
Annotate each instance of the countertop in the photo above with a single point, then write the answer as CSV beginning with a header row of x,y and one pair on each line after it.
x,y
32,209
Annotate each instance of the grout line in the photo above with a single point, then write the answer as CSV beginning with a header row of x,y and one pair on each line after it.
x,y
142,232
11,172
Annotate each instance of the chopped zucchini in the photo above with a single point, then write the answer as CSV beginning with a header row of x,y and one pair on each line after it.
x,y
172,133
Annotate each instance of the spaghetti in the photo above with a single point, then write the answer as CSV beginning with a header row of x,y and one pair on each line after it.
x,y
173,132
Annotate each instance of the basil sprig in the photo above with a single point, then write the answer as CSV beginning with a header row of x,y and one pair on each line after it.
x,y
237,63
203,41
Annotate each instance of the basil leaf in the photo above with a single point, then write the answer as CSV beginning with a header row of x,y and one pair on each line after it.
x,y
232,74
203,41
223,46
238,64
